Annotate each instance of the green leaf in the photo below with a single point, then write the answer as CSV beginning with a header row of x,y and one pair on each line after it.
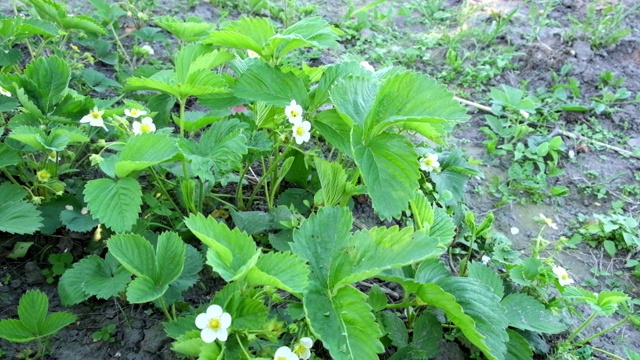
x,y
395,328
170,256
252,222
434,295
389,166
20,249
308,32
28,135
344,322
427,333
377,299
354,97
82,22
432,113
116,203
518,347
335,130
223,144
282,270
98,81
50,77
194,63
332,75
487,276
334,190
8,157
143,151
231,252
337,258
70,285
453,177
191,30
57,140
32,310
526,313
19,217
143,289
56,321
261,82
14,330
431,271
245,33
98,278
193,263
75,221
135,253
482,305
11,192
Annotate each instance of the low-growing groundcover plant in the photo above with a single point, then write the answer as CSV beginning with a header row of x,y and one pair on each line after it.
x,y
239,155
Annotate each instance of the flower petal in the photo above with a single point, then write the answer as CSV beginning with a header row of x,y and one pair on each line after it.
x,y
306,342
214,311
207,335
223,334
225,320
202,321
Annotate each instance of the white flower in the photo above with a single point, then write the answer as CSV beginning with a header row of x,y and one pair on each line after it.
x,y
549,222
214,324
293,112
4,92
514,230
252,54
84,211
68,207
284,353
134,113
303,349
367,66
524,114
485,259
144,126
148,50
301,132
429,163
94,118
53,156
563,276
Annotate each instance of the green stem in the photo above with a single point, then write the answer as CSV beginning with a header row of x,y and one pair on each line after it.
x,y
266,175
613,356
163,306
239,197
581,327
164,191
597,335
246,353
124,52
463,269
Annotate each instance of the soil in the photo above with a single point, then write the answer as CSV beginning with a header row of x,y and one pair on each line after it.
x,y
139,334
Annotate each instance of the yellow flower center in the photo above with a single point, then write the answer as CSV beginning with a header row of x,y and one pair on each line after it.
x,y
281,358
214,324
564,276
294,113
299,350
145,128
95,114
134,112
299,131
